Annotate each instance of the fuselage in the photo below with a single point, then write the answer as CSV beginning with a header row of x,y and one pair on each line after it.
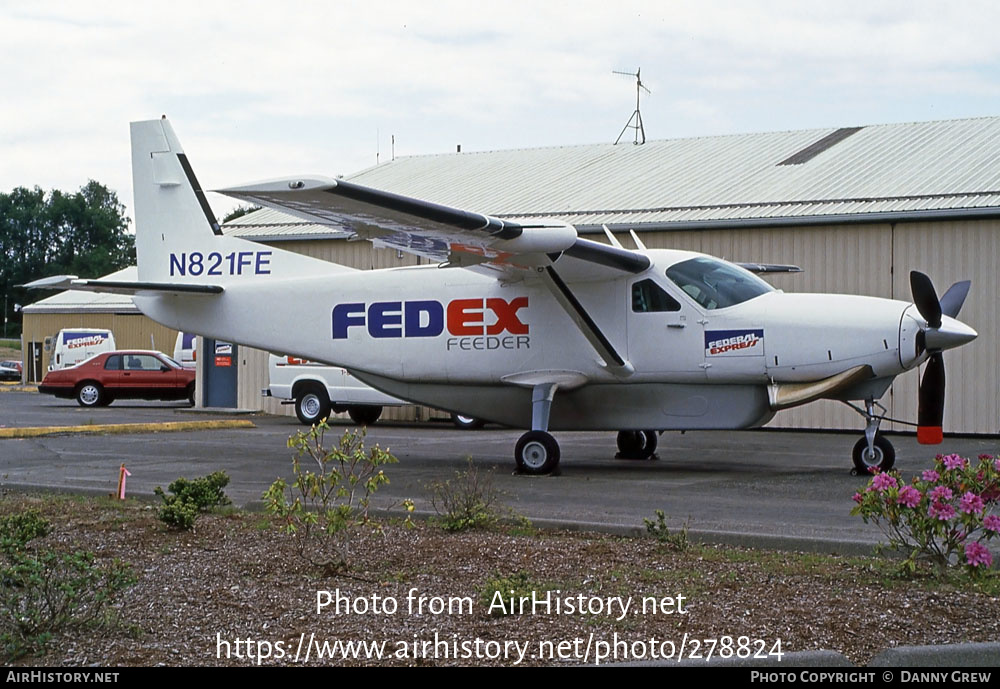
x,y
690,320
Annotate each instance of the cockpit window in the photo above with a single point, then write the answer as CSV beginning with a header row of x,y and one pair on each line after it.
x,y
647,296
715,284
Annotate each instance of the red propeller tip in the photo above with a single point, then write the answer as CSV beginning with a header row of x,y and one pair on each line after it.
x,y
929,435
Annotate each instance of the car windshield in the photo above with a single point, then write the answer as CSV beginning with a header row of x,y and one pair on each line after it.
x,y
716,284
171,361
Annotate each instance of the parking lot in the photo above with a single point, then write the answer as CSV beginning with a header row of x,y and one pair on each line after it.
x,y
757,486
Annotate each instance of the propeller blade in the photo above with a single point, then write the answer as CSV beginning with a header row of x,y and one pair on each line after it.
x,y
930,411
925,298
951,302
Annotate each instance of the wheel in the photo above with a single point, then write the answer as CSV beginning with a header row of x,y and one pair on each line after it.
x,y
364,416
106,400
312,405
90,394
467,423
190,394
636,444
536,452
882,457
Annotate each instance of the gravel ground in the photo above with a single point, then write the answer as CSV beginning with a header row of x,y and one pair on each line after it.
x,y
236,578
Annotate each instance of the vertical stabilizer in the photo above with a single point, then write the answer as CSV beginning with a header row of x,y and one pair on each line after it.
x,y
177,238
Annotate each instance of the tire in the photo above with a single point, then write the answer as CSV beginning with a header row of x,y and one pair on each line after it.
x,y
190,394
466,423
312,405
636,444
364,416
536,453
883,457
90,394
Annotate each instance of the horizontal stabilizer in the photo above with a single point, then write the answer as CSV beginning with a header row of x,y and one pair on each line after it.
x,y
72,282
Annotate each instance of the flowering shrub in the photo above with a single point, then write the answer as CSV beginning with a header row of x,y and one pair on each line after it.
x,y
945,515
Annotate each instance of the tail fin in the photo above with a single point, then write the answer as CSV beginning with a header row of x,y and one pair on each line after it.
x,y
176,234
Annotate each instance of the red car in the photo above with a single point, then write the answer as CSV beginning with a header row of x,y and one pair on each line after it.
x,y
138,374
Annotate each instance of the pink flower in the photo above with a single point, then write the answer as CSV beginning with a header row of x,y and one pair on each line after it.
x,y
992,523
941,493
996,464
858,498
908,496
954,462
930,475
942,511
971,503
883,482
977,555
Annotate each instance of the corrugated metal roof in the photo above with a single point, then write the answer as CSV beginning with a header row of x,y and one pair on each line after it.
x,y
267,224
891,169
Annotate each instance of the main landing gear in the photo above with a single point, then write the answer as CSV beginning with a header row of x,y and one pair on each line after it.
x,y
537,452
636,445
873,452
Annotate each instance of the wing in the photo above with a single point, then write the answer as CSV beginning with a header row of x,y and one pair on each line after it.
x,y
446,235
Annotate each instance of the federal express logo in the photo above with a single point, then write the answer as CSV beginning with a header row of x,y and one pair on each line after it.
x,y
734,342
473,324
77,340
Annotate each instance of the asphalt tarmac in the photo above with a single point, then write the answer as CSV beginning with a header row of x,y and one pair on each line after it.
x,y
776,488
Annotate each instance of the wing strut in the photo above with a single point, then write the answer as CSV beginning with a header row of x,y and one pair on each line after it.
x,y
583,321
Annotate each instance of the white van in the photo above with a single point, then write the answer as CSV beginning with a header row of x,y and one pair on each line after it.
x,y
184,350
74,345
317,389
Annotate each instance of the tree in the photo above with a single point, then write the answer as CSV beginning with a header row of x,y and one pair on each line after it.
x,y
85,233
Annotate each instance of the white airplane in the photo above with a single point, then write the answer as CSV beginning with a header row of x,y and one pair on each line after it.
x,y
526,323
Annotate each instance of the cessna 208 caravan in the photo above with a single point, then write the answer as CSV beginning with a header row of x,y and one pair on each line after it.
x,y
525,323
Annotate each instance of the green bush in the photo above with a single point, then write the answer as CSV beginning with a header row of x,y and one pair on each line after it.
x,y
329,499
676,540
191,497
43,591
468,500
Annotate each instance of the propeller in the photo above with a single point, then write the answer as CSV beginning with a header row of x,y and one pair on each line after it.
x,y
934,338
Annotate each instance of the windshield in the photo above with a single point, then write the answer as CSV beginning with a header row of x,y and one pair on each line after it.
x,y
716,284
170,360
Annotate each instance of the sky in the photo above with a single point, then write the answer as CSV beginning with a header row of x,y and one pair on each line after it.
x,y
258,90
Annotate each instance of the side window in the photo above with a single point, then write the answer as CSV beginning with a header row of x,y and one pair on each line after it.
x,y
142,362
114,363
647,297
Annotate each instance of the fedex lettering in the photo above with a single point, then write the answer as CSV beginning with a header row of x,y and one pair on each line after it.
x,y
427,318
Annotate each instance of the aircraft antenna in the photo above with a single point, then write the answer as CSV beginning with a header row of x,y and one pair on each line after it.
x,y
636,115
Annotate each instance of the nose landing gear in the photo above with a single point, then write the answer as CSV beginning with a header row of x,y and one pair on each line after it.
x,y
873,452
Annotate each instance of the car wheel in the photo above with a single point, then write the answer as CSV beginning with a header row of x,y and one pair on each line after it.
x,y
90,394
364,416
312,404
467,423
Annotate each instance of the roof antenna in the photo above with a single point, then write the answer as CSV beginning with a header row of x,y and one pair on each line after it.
x,y
636,116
